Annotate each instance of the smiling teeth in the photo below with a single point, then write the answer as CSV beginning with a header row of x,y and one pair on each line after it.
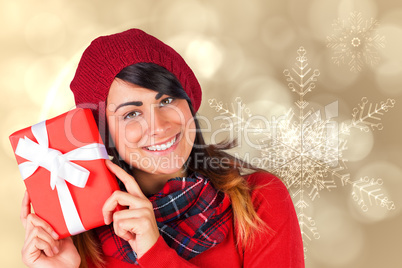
x,y
162,147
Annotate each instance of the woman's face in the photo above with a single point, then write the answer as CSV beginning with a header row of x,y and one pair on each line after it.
x,y
152,132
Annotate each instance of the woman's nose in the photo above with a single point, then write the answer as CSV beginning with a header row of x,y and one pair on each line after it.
x,y
159,122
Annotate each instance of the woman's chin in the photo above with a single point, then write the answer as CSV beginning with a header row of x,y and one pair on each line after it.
x,y
174,170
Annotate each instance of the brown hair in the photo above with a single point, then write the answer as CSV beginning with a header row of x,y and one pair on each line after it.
x,y
228,176
89,249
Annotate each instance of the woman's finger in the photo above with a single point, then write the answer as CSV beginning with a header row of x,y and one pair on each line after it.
x,y
136,222
129,228
141,234
42,240
142,213
128,181
30,220
123,199
25,209
33,220
36,246
123,233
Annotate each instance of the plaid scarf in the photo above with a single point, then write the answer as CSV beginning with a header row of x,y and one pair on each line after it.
x,y
191,216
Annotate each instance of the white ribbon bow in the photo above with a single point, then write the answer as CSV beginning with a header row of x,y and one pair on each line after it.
x,y
61,169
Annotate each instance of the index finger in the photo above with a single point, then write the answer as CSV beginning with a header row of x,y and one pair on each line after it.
x,y
129,182
25,209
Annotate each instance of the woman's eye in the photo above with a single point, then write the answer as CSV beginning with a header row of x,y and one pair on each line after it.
x,y
167,101
131,115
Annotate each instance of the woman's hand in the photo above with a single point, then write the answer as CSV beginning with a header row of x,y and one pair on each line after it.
x,y
42,247
137,224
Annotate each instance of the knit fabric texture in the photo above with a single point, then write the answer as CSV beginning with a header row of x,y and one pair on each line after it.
x,y
107,55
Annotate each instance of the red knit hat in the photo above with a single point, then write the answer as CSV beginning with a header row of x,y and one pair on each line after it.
x,y
108,55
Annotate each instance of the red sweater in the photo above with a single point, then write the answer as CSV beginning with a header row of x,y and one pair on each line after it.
x,y
280,247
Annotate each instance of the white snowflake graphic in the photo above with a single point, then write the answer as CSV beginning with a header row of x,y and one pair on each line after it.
x,y
305,148
355,42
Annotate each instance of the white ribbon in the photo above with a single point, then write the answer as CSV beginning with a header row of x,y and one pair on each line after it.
x,y
61,169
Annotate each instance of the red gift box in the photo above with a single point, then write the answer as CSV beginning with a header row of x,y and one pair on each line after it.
x,y
62,162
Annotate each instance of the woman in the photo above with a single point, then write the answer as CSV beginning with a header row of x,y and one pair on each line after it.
x,y
186,203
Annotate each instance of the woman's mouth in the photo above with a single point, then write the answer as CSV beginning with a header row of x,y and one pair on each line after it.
x,y
163,146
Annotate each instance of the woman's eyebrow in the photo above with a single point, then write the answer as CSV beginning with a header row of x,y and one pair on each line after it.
x,y
158,96
135,103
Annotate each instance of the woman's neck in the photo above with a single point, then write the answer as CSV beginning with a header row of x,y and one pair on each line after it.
x,y
152,183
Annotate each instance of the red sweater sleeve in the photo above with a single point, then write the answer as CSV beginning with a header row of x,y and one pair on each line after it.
x,y
281,246
161,255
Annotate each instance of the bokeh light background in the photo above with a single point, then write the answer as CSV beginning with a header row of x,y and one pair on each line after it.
x,y
237,49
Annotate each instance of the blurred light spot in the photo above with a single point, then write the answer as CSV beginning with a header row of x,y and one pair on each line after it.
x,y
12,73
239,19
20,118
40,76
62,102
233,62
392,50
59,98
299,18
186,16
389,77
12,191
265,96
225,58
268,108
367,7
45,33
341,239
277,33
205,56
12,15
81,17
12,197
321,16
359,144
392,16
12,240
